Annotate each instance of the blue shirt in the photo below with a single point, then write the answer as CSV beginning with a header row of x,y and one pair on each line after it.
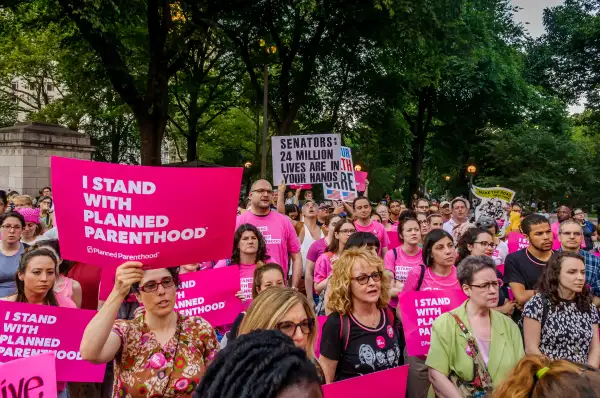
x,y
592,271
8,269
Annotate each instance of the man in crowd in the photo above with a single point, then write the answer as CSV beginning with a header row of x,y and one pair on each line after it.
x,y
277,229
445,210
523,268
363,223
422,206
322,213
563,213
570,234
460,211
395,210
590,233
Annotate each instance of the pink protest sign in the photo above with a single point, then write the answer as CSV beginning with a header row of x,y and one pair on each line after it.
x,y
320,322
419,310
111,213
29,330
360,177
211,295
304,186
385,384
29,377
517,241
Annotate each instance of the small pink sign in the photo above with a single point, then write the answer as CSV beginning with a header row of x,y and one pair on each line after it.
x,y
29,377
420,309
211,295
320,322
517,241
360,177
30,330
112,213
304,186
386,384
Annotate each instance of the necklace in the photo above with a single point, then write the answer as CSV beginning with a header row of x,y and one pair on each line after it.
x,y
405,260
369,323
436,281
532,260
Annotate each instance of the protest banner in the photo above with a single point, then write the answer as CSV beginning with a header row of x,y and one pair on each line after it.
x,y
345,188
305,186
361,180
420,309
517,241
34,376
29,330
306,159
320,322
490,202
386,383
211,295
111,213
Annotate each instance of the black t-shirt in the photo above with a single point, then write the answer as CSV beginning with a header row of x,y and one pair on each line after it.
x,y
369,350
522,267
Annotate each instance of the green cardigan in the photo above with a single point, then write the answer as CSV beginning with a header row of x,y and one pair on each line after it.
x,y
447,352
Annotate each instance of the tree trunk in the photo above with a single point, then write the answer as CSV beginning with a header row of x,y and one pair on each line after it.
x,y
151,134
192,140
115,145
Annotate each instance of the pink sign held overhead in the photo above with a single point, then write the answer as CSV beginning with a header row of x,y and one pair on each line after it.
x,y
112,213
517,241
211,295
419,311
29,330
29,377
385,384
304,186
361,177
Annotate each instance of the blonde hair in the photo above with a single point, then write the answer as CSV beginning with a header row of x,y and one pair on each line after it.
x,y
26,199
270,306
340,299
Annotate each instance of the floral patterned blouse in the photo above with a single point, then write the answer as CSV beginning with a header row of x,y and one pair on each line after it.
x,y
145,369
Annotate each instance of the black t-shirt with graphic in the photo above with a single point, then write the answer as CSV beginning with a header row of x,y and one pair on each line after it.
x,y
524,268
368,350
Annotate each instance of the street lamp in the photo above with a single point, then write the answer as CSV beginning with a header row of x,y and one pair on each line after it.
x,y
447,178
358,167
471,169
248,165
572,170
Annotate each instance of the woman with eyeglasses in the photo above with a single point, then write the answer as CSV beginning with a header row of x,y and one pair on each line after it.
x,y
560,321
480,242
473,348
159,352
423,224
501,250
359,337
324,265
11,250
288,311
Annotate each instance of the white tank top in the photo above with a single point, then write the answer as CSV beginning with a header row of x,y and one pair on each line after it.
x,y
306,243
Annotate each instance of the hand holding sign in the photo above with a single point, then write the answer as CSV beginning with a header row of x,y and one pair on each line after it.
x,y
127,274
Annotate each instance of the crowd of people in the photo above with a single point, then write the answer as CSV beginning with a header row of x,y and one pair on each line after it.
x,y
529,325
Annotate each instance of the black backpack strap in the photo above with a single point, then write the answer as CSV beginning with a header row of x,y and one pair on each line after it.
x,y
395,254
421,277
546,308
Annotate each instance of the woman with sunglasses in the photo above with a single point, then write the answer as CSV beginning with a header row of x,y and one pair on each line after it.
x,y
159,352
11,250
473,348
359,337
480,242
288,311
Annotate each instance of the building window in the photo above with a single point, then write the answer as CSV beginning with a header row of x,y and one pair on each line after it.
x,y
31,86
15,99
15,86
49,87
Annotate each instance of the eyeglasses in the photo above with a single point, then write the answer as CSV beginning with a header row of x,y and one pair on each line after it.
x,y
14,227
152,286
263,191
347,231
364,279
289,328
486,286
487,244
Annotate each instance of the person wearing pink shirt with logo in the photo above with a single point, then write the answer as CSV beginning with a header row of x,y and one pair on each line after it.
x,y
562,214
362,212
403,259
277,229
391,229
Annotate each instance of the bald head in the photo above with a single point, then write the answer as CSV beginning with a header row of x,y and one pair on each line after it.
x,y
261,195
258,184
563,213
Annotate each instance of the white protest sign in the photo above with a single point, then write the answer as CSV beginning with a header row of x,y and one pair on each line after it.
x,y
306,159
345,188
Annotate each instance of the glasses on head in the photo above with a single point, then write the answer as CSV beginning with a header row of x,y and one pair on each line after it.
x,y
347,231
152,286
289,328
364,279
487,244
263,191
13,227
486,286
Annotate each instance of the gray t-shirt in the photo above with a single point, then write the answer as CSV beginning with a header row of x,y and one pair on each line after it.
x,y
8,269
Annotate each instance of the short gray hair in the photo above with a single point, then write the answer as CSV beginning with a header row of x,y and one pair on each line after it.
x,y
567,222
471,265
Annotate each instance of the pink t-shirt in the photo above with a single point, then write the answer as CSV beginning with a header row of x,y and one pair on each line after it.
x,y
431,281
393,240
278,232
316,249
246,276
400,265
376,229
555,241
323,267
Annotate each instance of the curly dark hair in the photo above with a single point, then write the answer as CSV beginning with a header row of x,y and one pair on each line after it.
x,y
469,238
549,282
261,252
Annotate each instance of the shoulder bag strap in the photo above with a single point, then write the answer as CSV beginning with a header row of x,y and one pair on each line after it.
x,y
421,277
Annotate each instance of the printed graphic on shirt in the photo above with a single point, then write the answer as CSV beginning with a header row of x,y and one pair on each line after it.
x,y
371,360
246,286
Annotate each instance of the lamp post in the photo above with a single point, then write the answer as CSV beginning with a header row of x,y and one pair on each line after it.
x,y
447,193
263,164
471,169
